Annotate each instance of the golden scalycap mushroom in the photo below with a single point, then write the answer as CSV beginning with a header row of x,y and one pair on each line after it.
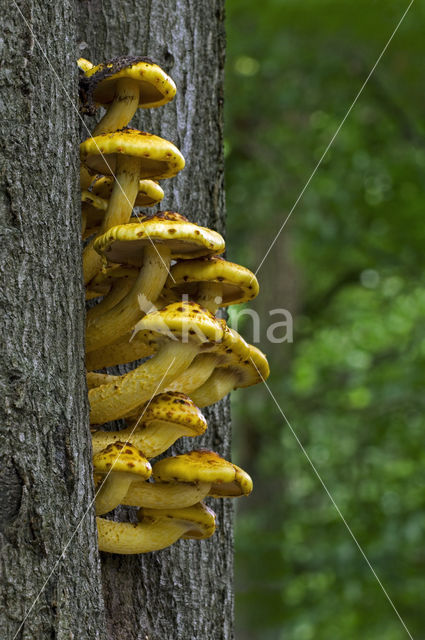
x,y
180,331
122,457
208,278
183,322
158,158
200,518
157,529
125,243
150,244
253,370
121,463
155,86
150,192
201,465
167,417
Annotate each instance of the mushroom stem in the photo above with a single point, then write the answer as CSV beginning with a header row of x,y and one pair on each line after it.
x,y
219,384
195,375
163,495
187,382
122,109
120,206
102,330
96,379
126,538
208,294
118,291
116,399
113,490
121,352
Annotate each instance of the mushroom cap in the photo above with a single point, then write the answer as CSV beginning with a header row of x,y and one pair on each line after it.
x,y
259,362
201,517
149,191
200,465
183,322
233,348
89,198
122,457
241,485
159,158
253,370
177,408
125,243
238,283
156,87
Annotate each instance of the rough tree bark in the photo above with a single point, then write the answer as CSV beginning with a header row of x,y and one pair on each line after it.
x,y
45,483
185,591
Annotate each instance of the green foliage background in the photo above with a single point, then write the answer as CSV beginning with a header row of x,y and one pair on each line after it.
x,y
349,266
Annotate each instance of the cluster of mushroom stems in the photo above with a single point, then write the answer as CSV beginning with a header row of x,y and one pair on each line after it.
x,y
157,282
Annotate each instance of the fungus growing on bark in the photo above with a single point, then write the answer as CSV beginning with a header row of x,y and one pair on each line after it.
x,y
167,417
150,245
212,282
130,155
253,370
185,479
120,463
122,85
180,331
157,529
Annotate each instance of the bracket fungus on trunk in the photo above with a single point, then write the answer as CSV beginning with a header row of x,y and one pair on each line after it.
x,y
138,270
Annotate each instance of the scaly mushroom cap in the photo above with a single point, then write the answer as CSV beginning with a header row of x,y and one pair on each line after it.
x,y
125,243
159,158
201,517
182,322
227,479
260,365
200,465
233,348
156,87
150,192
176,408
240,486
122,457
237,283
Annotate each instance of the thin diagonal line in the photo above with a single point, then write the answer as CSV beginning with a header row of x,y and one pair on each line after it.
x,y
90,506
333,138
88,130
333,501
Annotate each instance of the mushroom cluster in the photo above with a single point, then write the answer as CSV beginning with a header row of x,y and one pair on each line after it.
x,y
156,282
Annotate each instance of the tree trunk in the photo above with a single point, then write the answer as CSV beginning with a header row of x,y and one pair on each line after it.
x,y
184,591
45,480
45,484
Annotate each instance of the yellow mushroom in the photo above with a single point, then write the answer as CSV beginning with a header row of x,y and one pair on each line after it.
x,y
165,418
253,370
157,529
120,463
212,282
182,330
122,85
129,155
188,478
150,244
